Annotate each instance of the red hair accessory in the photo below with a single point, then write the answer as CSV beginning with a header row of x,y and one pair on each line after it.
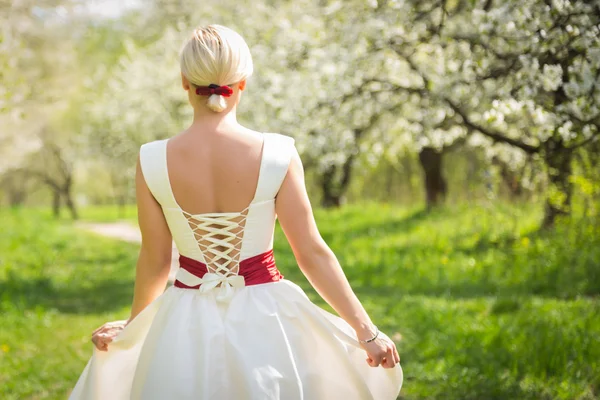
x,y
224,91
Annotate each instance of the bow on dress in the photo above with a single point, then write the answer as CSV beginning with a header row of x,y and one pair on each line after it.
x,y
210,281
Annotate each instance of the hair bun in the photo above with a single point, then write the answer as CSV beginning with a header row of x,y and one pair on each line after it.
x,y
216,102
215,53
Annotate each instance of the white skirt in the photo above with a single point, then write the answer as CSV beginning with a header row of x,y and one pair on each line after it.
x,y
269,342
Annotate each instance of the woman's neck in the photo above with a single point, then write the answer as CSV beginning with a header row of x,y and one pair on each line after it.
x,y
208,119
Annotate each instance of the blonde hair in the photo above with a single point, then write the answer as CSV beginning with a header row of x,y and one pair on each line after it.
x,y
215,54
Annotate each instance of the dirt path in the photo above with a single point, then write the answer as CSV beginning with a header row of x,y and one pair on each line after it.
x,y
128,232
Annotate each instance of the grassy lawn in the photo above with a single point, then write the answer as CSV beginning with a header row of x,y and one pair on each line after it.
x,y
481,303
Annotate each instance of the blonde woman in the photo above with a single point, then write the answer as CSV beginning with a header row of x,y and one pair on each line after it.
x,y
231,327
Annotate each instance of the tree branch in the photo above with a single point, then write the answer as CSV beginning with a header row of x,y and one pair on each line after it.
x,y
584,142
46,179
443,17
491,133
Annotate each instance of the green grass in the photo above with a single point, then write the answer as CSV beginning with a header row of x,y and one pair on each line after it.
x,y
108,213
482,304
56,285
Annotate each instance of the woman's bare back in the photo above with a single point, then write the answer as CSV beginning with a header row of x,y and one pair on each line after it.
x,y
214,172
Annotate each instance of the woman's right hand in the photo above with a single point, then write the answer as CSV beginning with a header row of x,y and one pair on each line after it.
x,y
381,351
105,334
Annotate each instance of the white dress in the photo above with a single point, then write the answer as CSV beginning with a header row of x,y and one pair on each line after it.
x,y
230,338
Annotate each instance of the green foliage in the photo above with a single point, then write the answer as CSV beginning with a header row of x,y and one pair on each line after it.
x,y
482,304
487,306
56,285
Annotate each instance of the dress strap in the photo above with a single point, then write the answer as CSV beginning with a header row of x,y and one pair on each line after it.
x,y
153,161
278,150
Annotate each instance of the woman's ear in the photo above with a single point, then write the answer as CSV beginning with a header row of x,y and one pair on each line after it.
x,y
184,82
242,84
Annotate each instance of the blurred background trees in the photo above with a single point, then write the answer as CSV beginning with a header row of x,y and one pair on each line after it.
x,y
394,101
458,128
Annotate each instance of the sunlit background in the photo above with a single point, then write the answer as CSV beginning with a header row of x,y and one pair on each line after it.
x,y
452,154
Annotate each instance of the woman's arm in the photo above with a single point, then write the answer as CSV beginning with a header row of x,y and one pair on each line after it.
x,y
320,265
154,261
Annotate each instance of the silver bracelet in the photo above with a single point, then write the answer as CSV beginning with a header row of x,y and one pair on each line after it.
x,y
373,338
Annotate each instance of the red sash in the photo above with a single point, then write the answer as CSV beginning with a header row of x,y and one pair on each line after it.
x,y
255,270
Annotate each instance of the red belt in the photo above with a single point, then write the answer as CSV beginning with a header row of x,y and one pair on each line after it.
x,y
254,270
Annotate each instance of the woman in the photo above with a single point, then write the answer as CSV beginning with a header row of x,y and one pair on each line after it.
x,y
231,327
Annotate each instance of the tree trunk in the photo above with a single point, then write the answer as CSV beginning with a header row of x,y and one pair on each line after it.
x,y
511,179
389,182
16,196
512,182
558,198
56,203
121,205
435,184
331,196
70,203
13,185
333,191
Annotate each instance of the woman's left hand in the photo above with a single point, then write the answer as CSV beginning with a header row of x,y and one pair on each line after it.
x,y
105,334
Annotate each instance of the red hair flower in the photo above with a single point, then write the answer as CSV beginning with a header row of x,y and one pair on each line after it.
x,y
224,91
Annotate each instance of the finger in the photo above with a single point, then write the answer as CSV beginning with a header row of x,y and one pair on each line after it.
x,y
98,329
107,340
100,339
372,362
98,344
104,345
396,356
389,360
378,360
391,357
104,338
102,332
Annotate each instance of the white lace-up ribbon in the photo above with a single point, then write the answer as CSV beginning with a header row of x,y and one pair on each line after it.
x,y
210,281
